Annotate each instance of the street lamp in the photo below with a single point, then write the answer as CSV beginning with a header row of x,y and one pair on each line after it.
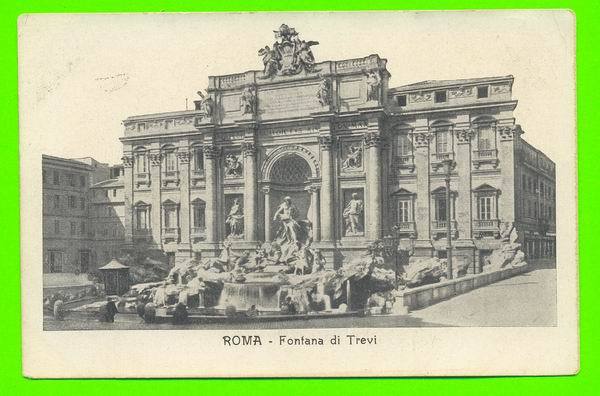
x,y
448,166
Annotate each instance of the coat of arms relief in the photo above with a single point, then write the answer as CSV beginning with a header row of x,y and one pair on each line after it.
x,y
289,54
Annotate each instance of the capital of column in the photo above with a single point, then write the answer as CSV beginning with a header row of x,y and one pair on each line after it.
x,y
249,149
421,139
266,190
509,132
326,142
372,139
155,159
127,161
464,136
312,189
183,156
211,152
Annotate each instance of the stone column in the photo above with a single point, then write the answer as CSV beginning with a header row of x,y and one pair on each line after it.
x,y
315,216
184,205
211,155
266,190
128,199
373,205
155,187
326,210
249,191
421,139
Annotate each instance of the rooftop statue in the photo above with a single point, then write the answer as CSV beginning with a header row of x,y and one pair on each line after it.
x,y
289,54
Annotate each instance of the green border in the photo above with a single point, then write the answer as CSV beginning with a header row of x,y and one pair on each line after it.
x,y
588,64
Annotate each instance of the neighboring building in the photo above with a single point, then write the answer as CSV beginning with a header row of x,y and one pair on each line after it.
x,y
336,139
107,219
82,214
66,225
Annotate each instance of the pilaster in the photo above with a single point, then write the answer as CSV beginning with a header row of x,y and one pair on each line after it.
x,y
250,186
155,193
183,157
421,139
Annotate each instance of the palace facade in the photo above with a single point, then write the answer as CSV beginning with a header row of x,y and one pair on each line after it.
x,y
359,160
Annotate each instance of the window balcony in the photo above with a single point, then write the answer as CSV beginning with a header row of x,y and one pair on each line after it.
x,y
142,233
404,162
170,178
437,159
142,179
170,234
440,227
198,232
488,156
486,227
406,228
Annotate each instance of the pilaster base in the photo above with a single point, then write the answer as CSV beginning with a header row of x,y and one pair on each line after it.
x,y
423,248
208,249
329,252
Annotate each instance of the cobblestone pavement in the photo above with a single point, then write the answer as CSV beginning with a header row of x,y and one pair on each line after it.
x,y
528,299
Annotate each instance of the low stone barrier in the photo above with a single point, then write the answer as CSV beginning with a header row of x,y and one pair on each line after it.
x,y
426,295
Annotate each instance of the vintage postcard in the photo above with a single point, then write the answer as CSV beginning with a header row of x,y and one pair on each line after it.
x,y
298,194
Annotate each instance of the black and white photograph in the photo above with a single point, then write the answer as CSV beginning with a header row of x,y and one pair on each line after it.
x,y
366,176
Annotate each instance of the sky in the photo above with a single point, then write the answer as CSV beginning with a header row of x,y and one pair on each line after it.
x,y
81,75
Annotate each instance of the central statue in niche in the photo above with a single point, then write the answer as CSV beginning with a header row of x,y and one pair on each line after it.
x,y
292,234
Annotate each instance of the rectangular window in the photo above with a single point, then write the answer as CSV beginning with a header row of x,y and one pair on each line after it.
x,y
141,163
199,221
44,176
57,202
73,228
170,219
404,145
82,181
484,209
198,160
56,227
71,180
440,97
114,192
56,178
83,228
486,138
55,261
404,211
440,209
401,100
170,162
524,180
482,92
441,142
82,203
142,218
72,201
